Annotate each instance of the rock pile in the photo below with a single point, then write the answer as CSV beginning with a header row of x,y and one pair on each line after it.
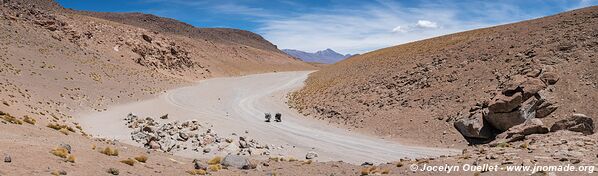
x,y
515,111
190,135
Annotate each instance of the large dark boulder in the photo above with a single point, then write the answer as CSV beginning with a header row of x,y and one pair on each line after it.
x,y
577,123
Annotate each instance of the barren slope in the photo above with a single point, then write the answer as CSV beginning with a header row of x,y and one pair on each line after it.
x,y
411,91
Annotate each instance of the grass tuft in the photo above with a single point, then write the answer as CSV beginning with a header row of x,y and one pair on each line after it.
x,y
109,151
10,119
197,172
215,160
113,171
29,120
141,158
71,159
60,152
130,162
215,167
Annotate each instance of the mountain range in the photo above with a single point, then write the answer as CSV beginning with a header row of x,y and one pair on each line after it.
x,y
327,56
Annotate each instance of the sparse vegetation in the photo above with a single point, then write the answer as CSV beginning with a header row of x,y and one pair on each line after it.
x,y
197,172
129,161
60,152
71,159
10,119
58,127
399,164
64,131
29,120
109,151
113,171
215,160
141,158
307,162
215,167
503,145
524,146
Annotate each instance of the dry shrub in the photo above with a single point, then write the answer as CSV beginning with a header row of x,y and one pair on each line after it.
x,y
130,162
215,167
57,126
215,160
113,171
141,158
197,172
71,159
274,158
291,159
10,119
109,151
385,171
29,120
64,131
307,162
60,152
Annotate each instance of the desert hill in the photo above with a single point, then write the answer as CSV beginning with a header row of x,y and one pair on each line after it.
x,y
415,91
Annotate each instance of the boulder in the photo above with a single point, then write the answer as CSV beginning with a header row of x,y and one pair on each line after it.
x,y
577,123
473,126
531,86
7,159
518,132
311,155
547,106
236,161
503,121
503,103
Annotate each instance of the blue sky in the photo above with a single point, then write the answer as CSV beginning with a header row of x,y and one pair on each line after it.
x,y
347,26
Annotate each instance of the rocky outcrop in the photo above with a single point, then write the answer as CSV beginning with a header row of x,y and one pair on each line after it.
x,y
511,114
161,54
577,123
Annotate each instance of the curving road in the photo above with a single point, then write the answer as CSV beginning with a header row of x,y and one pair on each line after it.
x,y
237,105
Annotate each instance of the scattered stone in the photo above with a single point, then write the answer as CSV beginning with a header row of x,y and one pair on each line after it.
x,y
7,159
67,147
198,165
367,164
311,155
164,116
577,123
147,38
236,161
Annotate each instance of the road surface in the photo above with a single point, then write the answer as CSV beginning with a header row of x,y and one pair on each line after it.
x,y
238,104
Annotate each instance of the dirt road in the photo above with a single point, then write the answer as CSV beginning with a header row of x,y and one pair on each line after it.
x,y
237,105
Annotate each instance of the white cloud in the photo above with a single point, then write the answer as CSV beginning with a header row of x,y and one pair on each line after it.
x,y
362,29
426,24
399,29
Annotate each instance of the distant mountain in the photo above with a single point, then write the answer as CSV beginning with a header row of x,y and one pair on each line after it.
x,y
327,56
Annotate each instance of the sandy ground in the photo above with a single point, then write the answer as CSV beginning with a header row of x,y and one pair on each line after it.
x,y
237,104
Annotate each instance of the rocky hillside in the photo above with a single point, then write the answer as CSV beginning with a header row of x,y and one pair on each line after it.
x,y
498,76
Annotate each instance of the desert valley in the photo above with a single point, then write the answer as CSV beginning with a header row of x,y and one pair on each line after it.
x,y
104,93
